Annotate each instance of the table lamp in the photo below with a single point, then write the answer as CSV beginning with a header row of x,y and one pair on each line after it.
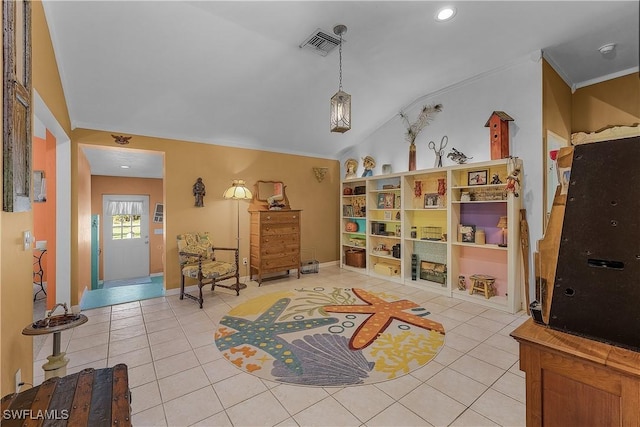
x,y
502,225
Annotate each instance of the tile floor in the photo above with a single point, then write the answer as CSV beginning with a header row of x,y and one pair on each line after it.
x,y
179,378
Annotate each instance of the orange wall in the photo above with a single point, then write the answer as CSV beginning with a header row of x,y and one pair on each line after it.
x,y
40,224
50,172
101,185
44,213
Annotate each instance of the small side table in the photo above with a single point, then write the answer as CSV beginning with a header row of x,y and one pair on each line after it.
x,y
57,364
482,283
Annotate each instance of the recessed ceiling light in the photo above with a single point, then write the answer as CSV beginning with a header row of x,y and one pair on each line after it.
x,y
446,13
125,166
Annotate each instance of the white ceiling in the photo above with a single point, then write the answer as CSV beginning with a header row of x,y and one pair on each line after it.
x,y
232,73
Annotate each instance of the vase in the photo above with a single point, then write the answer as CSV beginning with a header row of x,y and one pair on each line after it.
x,y
412,156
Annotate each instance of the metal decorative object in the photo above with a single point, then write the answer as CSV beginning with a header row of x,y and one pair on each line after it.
x,y
458,156
121,139
440,151
341,101
320,173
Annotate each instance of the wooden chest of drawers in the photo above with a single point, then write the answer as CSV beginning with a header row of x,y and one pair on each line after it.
x,y
275,242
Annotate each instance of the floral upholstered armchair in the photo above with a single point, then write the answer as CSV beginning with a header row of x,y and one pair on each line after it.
x,y
196,254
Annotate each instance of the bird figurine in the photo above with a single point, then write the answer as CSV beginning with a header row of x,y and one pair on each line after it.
x,y
458,156
121,139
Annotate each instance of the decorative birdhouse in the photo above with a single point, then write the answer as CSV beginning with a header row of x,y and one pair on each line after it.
x,y
498,125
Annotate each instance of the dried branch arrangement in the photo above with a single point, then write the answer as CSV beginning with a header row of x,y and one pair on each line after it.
x,y
424,118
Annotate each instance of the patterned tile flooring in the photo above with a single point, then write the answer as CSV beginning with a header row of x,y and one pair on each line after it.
x,y
178,377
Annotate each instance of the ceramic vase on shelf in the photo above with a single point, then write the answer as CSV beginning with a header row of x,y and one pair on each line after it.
x,y
412,156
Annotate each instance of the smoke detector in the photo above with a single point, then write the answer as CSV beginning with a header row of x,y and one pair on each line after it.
x,y
320,42
607,49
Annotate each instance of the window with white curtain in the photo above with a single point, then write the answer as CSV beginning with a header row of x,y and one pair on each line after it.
x,y
126,218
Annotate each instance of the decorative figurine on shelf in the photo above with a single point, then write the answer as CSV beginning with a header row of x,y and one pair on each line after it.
x,y
199,192
350,166
513,182
368,163
442,191
462,284
417,188
413,129
458,156
495,179
440,151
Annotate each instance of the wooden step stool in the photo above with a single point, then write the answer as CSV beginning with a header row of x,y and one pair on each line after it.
x,y
482,283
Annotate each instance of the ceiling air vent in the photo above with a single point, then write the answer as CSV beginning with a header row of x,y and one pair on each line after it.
x,y
321,42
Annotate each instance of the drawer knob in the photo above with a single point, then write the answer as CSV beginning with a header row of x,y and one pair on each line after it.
x,y
294,217
268,217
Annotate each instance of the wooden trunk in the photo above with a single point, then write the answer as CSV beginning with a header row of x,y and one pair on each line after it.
x,y
91,397
574,381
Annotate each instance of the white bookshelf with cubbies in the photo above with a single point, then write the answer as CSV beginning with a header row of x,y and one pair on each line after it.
x,y
354,225
428,228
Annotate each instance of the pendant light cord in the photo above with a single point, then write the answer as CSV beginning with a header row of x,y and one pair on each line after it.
x,y
340,53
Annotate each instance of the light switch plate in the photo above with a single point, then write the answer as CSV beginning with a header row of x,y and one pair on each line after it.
x,y
27,240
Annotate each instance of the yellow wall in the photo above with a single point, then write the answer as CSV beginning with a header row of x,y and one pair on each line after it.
x,y
218,166
16,306
556,104
101,185
613,102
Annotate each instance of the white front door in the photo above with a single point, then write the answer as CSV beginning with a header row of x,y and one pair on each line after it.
x,y
125,238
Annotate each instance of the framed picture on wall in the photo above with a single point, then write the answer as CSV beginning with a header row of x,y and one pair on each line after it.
x,y
158,213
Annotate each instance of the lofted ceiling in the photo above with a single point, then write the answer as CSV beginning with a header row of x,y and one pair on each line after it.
x,y
232,72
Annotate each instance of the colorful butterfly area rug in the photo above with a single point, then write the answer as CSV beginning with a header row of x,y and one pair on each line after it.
x,y
329,337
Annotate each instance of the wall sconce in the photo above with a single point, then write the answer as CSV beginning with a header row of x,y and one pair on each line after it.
x,y
320,173
502,225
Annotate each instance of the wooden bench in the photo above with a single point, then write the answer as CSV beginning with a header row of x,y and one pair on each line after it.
x,y
482,283
91,397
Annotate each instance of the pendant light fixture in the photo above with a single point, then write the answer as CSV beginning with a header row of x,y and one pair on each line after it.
x,y
341,101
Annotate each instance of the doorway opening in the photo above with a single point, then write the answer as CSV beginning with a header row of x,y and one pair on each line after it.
x,y
127,237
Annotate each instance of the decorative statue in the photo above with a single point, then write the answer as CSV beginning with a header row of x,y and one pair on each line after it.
x,y
351,165
199,192
368,163
458,156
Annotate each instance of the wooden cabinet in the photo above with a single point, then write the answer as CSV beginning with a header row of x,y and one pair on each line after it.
x,y
275,242
575,381
409,223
